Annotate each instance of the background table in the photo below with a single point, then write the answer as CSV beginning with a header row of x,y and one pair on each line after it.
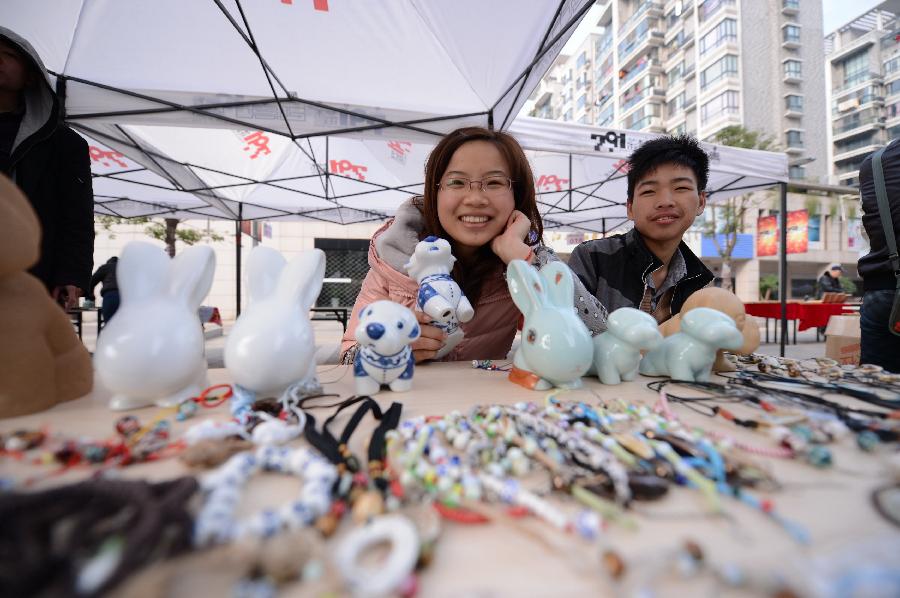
x,y
809,314
529,558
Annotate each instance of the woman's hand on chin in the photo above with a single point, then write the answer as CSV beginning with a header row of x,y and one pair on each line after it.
x,y
510,244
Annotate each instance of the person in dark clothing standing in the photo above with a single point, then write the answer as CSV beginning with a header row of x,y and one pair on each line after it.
x,y
830,281
879,345
110,291
51,164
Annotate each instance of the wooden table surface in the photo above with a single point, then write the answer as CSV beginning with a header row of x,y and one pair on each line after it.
x,y
527,557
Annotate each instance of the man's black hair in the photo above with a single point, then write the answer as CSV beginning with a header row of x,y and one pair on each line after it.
x,y
682,150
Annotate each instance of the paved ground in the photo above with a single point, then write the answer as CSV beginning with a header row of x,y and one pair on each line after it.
x,y
328,337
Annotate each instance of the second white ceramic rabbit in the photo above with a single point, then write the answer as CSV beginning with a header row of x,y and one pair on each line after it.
x,y
153,350
556,348
272,344
439,295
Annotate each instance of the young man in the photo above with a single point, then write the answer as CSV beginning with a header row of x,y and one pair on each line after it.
x,y
649,267
830,281
50,163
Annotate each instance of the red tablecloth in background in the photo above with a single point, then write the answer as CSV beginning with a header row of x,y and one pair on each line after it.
x,y
810,314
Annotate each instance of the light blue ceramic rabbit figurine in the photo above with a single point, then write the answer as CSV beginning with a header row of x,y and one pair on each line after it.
x,y
617,352
555,349
689,354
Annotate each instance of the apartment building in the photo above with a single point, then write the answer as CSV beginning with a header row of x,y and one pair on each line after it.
x,y
862,73
697,66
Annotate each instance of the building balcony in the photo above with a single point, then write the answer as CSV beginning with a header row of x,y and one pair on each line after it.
x,y
853,46
854,129
860,80
649,8
790,7
795,78
791,43
858,151
795,149
855,104
793,113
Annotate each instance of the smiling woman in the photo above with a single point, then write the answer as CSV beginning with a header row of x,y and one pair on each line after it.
x,y
479,196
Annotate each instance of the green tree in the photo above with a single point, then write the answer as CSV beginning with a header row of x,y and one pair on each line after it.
x,y
166,231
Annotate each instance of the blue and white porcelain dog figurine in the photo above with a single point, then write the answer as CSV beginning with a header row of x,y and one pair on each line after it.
x,y
439,295
384,334
689,354
617,352
556,348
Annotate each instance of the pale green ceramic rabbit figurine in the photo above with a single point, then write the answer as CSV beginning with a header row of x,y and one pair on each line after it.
x,y
689,354
617,352
556,348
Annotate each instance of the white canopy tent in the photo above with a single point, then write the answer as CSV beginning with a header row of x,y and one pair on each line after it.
x,y
578,171
179,85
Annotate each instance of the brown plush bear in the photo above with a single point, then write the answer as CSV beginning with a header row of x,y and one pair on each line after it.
x,y
42,362
727,303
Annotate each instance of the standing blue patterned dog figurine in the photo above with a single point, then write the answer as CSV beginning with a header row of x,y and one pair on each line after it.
x,y
439,295
384,334
689,354
556,348
617,352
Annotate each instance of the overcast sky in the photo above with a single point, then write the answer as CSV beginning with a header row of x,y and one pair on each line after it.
x,y
839,12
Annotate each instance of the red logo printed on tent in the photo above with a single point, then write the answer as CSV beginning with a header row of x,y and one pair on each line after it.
x,y
621,166
98,155
545,182
317,4
401,148
258,140
343,166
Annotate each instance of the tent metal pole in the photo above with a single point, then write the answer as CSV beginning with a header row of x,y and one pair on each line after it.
x,y
237,257
570,182
603,226
782,265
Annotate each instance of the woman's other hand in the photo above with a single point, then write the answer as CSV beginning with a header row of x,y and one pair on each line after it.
x,y
430,341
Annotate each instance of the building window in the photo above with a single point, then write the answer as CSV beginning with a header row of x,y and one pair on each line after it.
x,y
841,147
679,130
724,103
582,100
724,32
568,115
795,4
794,138
725,66
892,88
793,68
856,68
892,65
582,60
794,102
814,228
797,172
791,33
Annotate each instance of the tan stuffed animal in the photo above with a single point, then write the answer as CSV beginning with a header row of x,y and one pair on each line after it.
x,y
728,303
42,362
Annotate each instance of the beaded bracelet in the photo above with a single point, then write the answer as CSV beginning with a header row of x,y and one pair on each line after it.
x,y
215,524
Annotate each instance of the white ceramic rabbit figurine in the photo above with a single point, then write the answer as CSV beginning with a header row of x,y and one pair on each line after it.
x,y
439,295
689,354
556,348
272,344
153,350
617,352
384,334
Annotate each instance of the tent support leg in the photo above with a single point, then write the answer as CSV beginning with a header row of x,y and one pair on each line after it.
x,y
237,258
782,265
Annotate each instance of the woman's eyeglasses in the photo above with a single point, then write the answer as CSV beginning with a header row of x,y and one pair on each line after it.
x,y
492,185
